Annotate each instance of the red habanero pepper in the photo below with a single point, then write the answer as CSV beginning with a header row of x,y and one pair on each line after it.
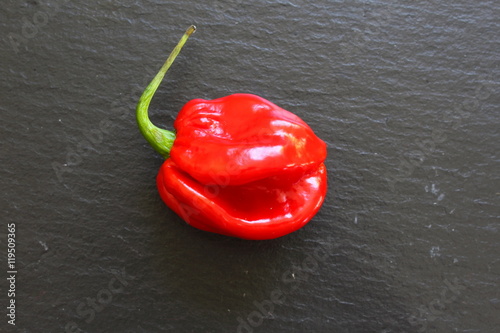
x,y
239,165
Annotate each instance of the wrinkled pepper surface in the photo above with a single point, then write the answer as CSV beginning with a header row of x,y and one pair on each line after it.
x,y
239,165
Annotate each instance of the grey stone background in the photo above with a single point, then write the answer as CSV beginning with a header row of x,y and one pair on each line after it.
x,y
405,93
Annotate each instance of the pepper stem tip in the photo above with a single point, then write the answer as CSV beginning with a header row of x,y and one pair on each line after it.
x,y
160,139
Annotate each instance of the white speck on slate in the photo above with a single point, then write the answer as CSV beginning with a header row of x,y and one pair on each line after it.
x,y
44,245
441,197
356,219
435,251
434,189
455,260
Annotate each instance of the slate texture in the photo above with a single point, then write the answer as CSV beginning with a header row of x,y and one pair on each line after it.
x,y
405,93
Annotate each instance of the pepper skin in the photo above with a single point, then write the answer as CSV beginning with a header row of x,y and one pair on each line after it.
x,y
241,138
240,165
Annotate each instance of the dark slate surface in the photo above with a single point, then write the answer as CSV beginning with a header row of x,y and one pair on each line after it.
x,y
405,93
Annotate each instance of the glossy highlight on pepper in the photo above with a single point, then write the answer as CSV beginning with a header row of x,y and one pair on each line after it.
x,y
238,165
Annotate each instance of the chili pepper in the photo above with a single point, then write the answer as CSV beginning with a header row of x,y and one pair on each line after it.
x,y
239,165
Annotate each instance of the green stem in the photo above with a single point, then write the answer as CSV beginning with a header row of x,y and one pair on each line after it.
x,y
160,139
